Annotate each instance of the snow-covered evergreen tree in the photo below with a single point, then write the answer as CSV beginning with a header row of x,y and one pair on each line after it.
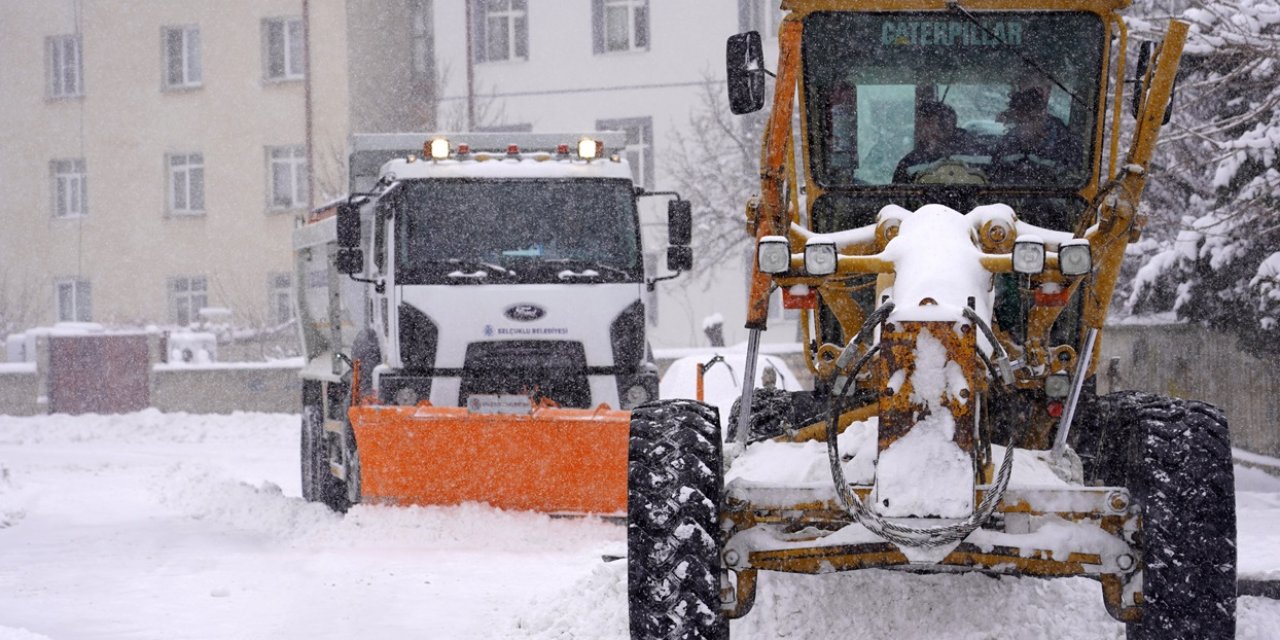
x,y
1217,195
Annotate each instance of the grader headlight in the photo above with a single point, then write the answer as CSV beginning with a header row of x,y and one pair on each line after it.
x,y
1028,255
820,257
774,254
1075,258
1057,385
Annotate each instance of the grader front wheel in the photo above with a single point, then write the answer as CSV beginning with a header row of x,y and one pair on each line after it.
x,y
673,509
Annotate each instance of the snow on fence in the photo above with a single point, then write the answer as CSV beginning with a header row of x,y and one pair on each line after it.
x,y
85,369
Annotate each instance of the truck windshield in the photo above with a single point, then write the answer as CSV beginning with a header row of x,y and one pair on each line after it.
x,y
532,230
999,99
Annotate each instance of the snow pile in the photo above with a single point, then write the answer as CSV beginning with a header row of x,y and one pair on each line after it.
x,y
722,383
593,607
925,473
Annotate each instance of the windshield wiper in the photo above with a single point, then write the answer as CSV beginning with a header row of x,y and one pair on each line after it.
x,y
583,263
482,269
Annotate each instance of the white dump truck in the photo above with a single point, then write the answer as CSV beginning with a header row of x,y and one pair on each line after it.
x,y
474,323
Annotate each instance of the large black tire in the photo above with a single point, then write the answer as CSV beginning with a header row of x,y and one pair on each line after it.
x,y
771,414
673,514
1177,465
318,485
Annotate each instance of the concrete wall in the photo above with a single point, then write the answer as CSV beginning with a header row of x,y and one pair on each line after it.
x,y
225,389
1195,363
19,391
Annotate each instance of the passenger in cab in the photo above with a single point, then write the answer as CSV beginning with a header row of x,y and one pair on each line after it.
x,y
1037,147
937,139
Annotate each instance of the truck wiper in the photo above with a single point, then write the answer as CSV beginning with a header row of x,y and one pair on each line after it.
x,y
481,267
583,263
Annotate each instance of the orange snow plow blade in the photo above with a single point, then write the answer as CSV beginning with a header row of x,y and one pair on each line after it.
x,y
552,460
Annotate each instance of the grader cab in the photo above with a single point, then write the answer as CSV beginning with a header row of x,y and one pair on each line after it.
x,y
944,196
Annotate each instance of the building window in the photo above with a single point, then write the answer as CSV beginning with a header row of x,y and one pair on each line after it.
x,y
66,69
501,30
73,300
620,25
280,298
423,33
287,173
285,55
764,16
187,296
182,57
70,188
186,183
639,149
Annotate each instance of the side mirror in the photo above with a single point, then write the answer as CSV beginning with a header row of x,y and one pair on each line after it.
x,y
680,258
349,225
679,223
744,69
349,260
1144,61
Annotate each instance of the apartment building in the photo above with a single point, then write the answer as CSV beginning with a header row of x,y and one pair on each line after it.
x,y
155,156
643,67
158,152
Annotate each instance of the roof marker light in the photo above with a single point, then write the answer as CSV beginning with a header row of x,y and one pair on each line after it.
x,y
562,149
438,149
464,149
588,149
513,150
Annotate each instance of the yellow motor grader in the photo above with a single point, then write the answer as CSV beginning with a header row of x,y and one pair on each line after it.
x,y
944,196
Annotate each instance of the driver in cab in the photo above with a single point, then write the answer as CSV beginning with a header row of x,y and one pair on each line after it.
x,y
1037,146
937,139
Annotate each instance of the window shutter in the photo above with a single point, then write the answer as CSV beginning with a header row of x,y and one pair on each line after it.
x,y
597,26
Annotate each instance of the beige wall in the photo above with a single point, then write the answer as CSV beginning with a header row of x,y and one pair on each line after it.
x,y
127,246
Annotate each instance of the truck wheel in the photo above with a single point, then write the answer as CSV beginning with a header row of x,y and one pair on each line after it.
x,y
771,414
311,454
318,485
1180,474
673,515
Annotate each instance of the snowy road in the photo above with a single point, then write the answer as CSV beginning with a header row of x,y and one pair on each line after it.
x,y
182,526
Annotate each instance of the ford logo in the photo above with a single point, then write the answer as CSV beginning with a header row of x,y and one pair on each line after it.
x,y
524,312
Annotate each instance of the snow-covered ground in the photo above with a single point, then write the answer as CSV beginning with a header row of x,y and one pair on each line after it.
x,y
189,526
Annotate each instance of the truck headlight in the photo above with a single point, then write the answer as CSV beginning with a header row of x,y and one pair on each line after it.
x,y
774,254
1075,258
439,149
1057,385
820,257
1028,255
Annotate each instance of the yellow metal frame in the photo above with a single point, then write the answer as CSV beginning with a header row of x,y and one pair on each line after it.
x,y
1110,222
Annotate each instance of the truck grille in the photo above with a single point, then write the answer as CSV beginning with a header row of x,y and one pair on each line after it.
x,y
543,369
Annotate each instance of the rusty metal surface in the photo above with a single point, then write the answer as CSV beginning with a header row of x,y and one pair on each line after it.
x,y
898,411
99,374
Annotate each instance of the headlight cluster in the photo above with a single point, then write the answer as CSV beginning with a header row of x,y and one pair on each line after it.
x,y
774,256
1075,257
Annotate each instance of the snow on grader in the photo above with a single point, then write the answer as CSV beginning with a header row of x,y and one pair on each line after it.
x,y
950,209
474,323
